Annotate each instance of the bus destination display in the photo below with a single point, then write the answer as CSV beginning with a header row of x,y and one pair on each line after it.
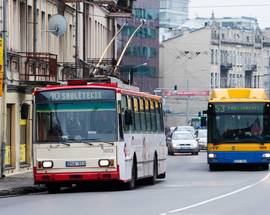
x,y
239,108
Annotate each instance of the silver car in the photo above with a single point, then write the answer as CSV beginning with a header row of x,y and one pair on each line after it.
x,y
183,142
201,135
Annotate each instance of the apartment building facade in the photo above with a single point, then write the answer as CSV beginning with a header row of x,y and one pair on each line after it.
x,y
212,56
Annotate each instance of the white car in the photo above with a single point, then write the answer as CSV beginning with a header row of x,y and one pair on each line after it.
x,y
185,128
201,135
183,142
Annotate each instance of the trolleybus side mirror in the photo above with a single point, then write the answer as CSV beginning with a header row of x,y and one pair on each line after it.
x,y
24,110
203,121
128,117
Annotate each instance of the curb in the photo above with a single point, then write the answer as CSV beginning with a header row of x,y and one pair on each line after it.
x,y
22,191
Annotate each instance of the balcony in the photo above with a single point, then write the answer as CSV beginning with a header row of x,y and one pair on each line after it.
x,y
102,2
85,68
32,67
250,67
226,66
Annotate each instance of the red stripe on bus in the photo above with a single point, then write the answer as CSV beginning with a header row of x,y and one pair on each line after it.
x,y
43,178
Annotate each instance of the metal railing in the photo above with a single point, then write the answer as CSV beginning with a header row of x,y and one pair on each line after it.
x,y
30,66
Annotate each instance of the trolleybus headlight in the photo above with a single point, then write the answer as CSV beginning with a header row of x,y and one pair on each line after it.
x,y
47,164
266,155
211,155
104,163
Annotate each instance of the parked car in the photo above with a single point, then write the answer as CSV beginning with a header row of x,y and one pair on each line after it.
x,y
183,142
201,136
185,128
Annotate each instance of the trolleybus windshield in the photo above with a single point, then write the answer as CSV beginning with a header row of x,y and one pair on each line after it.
x,y
76,115
239,123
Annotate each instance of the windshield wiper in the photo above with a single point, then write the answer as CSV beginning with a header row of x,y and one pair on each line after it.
x,y
88,143
63,141
101,141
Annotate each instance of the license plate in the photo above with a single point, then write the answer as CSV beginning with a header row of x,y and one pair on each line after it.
x,y
75,163
185,147
240,161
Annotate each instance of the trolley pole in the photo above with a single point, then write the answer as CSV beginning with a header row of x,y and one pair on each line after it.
x,y
125,48
4,106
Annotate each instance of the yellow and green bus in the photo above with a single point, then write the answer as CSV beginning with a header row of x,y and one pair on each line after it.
x,y
238,127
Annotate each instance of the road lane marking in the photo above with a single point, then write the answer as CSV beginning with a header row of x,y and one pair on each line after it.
x,y
217,198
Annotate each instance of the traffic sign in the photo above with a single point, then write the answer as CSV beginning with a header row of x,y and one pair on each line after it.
x,y
186,93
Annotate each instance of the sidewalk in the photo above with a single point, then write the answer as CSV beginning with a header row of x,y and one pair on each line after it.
x,y
17,184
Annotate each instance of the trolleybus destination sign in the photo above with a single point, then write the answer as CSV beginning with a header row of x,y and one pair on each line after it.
x,y
75,95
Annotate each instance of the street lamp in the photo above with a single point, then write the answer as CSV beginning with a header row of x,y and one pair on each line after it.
x,y
131,72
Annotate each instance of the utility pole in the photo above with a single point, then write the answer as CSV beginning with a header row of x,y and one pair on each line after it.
x,y
4,106
187,104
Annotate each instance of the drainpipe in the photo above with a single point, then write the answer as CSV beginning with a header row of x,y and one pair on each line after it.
x,y
76,37
4,106
35,25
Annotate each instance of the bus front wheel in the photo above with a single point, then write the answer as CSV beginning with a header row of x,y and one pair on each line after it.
x,y
264,166
153,179
130,185
213,167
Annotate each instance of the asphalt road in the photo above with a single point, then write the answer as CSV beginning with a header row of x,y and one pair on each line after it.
x,y
190,188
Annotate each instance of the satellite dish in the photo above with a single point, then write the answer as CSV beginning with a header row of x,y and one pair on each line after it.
x,y
57,25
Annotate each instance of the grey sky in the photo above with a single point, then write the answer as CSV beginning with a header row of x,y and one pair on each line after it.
x,y
262,13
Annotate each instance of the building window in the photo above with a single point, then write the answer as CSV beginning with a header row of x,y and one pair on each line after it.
x,y
212,56
216,57
241,82
212,79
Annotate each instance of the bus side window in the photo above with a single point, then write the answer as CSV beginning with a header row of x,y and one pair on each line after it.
x,y
153,116
127,106
148,117
137,114
161,116
120,122
142,115
158,116
133,115
123,108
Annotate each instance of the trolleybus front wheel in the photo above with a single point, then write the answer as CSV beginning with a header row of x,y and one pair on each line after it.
x,y
52,188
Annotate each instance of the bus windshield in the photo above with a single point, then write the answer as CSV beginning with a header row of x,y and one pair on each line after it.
x,y
76,121
240,123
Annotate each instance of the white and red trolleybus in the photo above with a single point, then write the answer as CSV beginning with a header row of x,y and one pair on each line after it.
x,y
94,132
